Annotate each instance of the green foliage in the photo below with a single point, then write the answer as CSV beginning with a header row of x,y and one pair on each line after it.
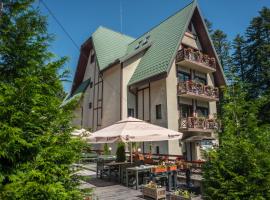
x,y
36,149
120,152
106,149
240,168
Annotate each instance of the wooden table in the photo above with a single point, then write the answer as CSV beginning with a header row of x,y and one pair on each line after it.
x,y
136,170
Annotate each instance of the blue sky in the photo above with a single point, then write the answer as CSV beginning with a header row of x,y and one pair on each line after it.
x,y
80,18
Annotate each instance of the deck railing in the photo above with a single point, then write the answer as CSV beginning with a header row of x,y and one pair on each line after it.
x,y
198,123
195,56
198,89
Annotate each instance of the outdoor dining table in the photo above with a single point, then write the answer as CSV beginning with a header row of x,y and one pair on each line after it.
x,y
116,164
171,177
136,170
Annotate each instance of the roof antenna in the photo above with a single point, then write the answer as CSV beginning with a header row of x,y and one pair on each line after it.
x,y
121,17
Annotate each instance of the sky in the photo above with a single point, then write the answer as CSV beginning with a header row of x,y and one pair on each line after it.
x,y
81,18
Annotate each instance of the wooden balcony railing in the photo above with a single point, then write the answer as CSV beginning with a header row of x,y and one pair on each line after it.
x,y
195,56
191,87
198,123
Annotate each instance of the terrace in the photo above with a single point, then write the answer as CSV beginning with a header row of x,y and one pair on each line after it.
x,y
198,91
198,124
195,59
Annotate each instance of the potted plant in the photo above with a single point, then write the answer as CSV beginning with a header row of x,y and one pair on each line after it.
x,y
154,191
171,167
120,152
182,195
159,169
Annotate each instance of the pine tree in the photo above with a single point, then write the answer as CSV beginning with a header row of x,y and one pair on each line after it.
x,y
258,53
239,56
222,46
258,60
36,149
240,167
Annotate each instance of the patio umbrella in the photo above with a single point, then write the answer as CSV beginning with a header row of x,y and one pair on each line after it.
x,y
81,133
133,130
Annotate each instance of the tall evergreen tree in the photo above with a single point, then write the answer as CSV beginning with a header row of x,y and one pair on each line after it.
x,y
240,168
222,46
258,53
258,60
239,56
36,149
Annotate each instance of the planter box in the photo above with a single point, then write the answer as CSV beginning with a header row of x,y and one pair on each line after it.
x,y
177,197
155,193
172,168
159,169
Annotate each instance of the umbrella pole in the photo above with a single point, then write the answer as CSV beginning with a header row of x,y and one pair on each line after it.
x,y
131,159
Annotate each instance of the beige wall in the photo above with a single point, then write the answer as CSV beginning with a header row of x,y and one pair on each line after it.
x,y
129,99
172,108
111,95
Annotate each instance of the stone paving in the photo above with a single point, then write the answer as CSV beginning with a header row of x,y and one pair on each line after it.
x,y
105,190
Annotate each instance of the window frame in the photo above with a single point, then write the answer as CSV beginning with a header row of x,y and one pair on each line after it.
x,y
133,112
185,74
158,111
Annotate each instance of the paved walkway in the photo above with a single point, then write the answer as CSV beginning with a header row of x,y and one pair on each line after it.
x,y
105,190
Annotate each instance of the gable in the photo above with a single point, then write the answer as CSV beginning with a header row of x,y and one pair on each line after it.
x,y
165,40
109,46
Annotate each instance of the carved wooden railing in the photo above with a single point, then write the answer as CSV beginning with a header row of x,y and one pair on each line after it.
x,y
198,89
198,123
195,56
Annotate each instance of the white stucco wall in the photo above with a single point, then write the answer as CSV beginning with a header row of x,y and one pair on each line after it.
x,y
129,99
111,95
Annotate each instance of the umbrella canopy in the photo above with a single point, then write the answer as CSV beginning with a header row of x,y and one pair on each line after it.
x,y
81,133
133,130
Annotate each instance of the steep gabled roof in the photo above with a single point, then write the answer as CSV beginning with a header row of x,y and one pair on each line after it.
x,y
165,39
109,46
77,93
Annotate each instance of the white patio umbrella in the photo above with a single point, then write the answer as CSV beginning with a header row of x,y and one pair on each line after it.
x,y
133,130
81,133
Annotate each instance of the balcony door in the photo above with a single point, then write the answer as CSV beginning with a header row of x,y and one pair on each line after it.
x,y
183,76
186,110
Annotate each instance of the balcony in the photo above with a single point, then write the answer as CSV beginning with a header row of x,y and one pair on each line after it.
x,y
198,91
195,59
198,124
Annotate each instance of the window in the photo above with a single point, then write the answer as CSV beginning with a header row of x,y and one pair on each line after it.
x,y
202,111
91,84
183,76
201,80
186,110
92,59
157,149
90,105
130,112
158,111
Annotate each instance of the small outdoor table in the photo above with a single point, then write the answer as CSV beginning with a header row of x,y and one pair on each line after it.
x,y
172,178
136,170
116,164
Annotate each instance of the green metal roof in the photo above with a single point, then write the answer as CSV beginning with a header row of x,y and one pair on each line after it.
x,y
77,94
165,39
109,46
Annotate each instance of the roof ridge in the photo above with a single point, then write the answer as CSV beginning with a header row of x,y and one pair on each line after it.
x,y
176,12
119,33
